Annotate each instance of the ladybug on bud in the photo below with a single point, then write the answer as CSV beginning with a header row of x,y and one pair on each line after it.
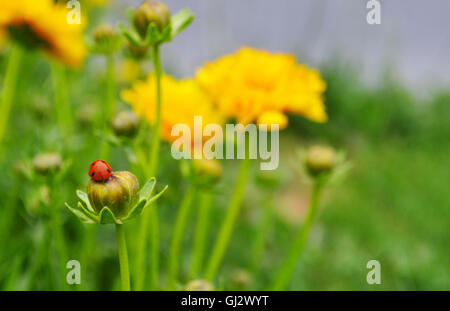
x,y
99,170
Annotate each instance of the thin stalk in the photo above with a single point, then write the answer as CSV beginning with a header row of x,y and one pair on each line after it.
x,y
110,103
177,238
39,258
61,99
201,232
151,217
259,243
230,218
9,87
123,258
285,273
58,236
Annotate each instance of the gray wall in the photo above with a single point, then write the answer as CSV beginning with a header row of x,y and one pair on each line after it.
x,y
413,39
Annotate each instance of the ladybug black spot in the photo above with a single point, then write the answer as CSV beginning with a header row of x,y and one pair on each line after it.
x,y
93,173
92,164
108,170
103,161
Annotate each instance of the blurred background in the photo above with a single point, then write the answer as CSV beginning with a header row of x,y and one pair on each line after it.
x,y
388,101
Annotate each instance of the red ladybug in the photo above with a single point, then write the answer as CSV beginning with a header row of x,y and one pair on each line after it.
x,y
99,170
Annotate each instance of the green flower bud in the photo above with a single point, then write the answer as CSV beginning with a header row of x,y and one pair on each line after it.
x,y
87,114
126,123
104,33
119,193
208,171
137,52
241,279
320,159
46,163
151,12
107,39
199,285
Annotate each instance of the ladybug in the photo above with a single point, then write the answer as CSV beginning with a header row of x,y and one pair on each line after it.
x,y
99,170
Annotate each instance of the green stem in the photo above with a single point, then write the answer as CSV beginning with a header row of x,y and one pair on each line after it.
x,y
201,231
58,235
287,269
110,103
110,89
177,238
9,87
259,243
123,258
229,221
61,99
151,216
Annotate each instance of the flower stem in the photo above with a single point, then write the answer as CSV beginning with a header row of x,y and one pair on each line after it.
x,y
259,243
110,103
201,231
229,221
177,238
285,273
152,215
61,99
123,257
9,87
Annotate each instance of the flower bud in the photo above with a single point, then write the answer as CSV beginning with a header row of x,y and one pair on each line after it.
x,y
126,123
241,279
151,12
320,159
119,193
104,33
137,52
45,163
199,285
209,171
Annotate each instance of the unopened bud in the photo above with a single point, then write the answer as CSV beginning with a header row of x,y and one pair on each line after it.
x,y
199,285
119,193
104,33
45,163
320,159
210,171
126,123
151,12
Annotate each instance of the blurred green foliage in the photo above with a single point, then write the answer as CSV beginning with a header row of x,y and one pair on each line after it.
x,y
393,207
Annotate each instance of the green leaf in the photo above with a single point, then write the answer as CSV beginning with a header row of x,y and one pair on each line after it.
x,y
153,35
107,217
87,213
132,38
147,190
180,21
85,199
137,209
154,198
80,215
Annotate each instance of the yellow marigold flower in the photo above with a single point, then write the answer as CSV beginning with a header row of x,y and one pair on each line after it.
x,y
255,85
273,117
181,101
43,25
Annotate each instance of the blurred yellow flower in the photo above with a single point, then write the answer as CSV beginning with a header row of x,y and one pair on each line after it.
x,y
181,101
43,25
128,71
255,85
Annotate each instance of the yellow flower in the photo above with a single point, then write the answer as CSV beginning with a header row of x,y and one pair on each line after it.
x,y
181,101
255,85
43,25
128,71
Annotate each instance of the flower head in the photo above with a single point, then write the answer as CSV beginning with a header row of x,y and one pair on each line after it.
x,y
43,25
181,102
255,85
